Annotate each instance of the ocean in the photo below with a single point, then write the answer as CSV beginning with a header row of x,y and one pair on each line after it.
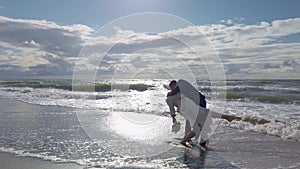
x,y
125,124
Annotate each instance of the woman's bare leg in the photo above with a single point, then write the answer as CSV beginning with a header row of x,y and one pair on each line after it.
x,y
224,116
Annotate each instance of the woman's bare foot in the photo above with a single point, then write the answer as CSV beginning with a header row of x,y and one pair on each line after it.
x,y
184,144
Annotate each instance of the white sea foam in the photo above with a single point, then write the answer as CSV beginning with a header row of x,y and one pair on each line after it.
x,y
112,162
272,128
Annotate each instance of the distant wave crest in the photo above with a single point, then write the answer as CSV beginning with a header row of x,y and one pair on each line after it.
x,y
98,87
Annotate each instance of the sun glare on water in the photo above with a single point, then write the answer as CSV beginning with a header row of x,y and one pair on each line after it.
x,y
136,126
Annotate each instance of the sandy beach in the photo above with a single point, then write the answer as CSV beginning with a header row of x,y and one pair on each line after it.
x,y
12,161
246,150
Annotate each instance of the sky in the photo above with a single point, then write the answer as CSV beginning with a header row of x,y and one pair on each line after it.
x,y
257,39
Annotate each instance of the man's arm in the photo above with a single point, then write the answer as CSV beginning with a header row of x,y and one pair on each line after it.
x,y
170,102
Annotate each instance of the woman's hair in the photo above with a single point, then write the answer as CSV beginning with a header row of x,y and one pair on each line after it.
x,y
173,82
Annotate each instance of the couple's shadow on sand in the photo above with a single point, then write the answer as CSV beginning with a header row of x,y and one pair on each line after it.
x,y
197,158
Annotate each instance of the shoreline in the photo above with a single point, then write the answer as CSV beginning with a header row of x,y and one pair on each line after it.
x,y
11,160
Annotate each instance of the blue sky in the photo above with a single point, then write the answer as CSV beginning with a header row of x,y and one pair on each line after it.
x,y
254,39
99,12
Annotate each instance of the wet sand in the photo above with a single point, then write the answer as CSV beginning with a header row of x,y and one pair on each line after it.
x,y
12,161
246,149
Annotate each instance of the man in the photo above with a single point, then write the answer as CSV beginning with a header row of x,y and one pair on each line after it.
x,y
194,114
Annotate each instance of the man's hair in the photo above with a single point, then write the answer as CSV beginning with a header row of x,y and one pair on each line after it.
x,y
173,82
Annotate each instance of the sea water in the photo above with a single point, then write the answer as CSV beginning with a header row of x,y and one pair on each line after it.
x,y
54,122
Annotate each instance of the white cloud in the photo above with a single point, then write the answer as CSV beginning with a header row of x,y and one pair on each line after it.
x,y
235,20
31,42
284,27
44,47
49,36
228,22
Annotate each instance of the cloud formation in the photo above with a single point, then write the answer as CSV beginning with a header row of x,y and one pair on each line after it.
x,y
40,47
